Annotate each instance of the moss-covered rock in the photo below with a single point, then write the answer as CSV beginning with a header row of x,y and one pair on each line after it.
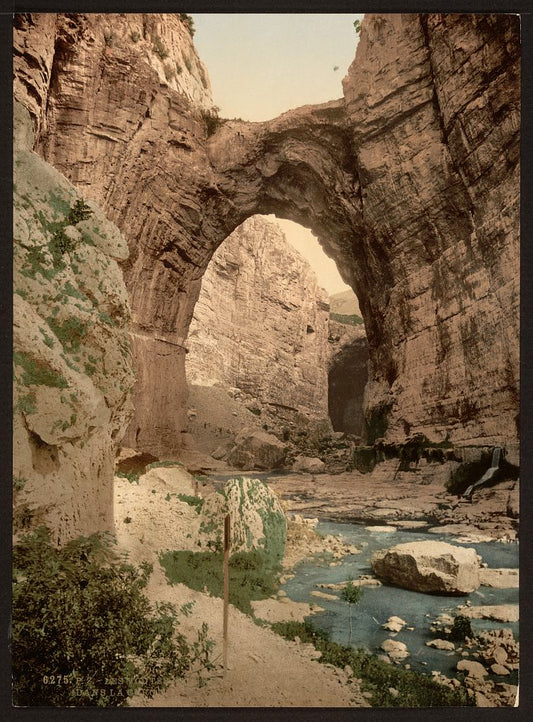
x,y
257,519
72,369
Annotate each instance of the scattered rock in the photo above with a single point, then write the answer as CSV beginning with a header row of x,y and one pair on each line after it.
x,y
500,578
396,650
219,453
394,624
443,644
472,669
323,595
499,669
257,450
310,465
498,613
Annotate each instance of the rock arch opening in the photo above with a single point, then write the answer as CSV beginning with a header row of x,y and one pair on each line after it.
x,y
260,343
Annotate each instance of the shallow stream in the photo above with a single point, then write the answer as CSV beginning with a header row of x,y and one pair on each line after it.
x,y
379,603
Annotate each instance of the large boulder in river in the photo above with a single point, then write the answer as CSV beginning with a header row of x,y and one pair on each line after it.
x,y
429,566
257,520
257,450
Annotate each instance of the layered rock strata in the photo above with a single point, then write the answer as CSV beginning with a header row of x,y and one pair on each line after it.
x,y
410,182
261,325
72,362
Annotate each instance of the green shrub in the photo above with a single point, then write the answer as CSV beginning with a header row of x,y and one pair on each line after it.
x,y
70,332
84,634
134,35
461,629
195,501
212,120
109,38
131,476
250,575
351,595
158,48
376,422
80,211
27,404
347,319
189,23
37,373
169,72
414,689
364,459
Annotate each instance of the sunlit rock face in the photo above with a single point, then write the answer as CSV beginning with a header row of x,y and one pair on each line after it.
x,y
261,324
410,182
72,361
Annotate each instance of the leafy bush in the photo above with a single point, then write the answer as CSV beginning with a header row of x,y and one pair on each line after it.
x,y
131,476
351,595
38,373
212,120
250,576
158,48
189,22
195,501
83,631
461,629
347,319
60,242
414,689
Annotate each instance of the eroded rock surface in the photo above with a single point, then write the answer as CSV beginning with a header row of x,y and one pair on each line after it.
x,y
433,567
410,181
73,370
260,325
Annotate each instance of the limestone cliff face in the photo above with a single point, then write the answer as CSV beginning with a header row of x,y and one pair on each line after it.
x,y
72,362
410,182
261,324
434,110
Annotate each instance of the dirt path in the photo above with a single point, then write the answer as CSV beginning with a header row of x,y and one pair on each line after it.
x,y
264,670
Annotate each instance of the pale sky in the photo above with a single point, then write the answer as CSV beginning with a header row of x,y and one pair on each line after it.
x,y
261,65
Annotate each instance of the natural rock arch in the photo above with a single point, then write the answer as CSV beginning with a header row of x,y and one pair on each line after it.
x,y
410,181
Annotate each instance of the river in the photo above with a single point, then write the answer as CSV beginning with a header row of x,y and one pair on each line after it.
x,y
379,603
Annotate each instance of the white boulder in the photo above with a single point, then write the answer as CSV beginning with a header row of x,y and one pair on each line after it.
x,y
429,566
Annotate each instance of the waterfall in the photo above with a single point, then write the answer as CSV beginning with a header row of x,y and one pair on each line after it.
x,y
487,476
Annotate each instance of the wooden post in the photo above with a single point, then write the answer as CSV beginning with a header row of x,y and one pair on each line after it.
x,y
227,530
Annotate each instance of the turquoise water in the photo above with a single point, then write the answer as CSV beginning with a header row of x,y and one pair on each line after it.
x,y
380,603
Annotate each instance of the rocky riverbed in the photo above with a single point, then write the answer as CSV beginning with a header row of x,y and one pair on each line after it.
x,y
406,499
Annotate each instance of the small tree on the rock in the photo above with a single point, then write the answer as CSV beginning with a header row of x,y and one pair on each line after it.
x,y
351,595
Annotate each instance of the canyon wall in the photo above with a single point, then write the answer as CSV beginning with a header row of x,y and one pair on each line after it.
x,y
72,363
261,324
434,108
410,182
